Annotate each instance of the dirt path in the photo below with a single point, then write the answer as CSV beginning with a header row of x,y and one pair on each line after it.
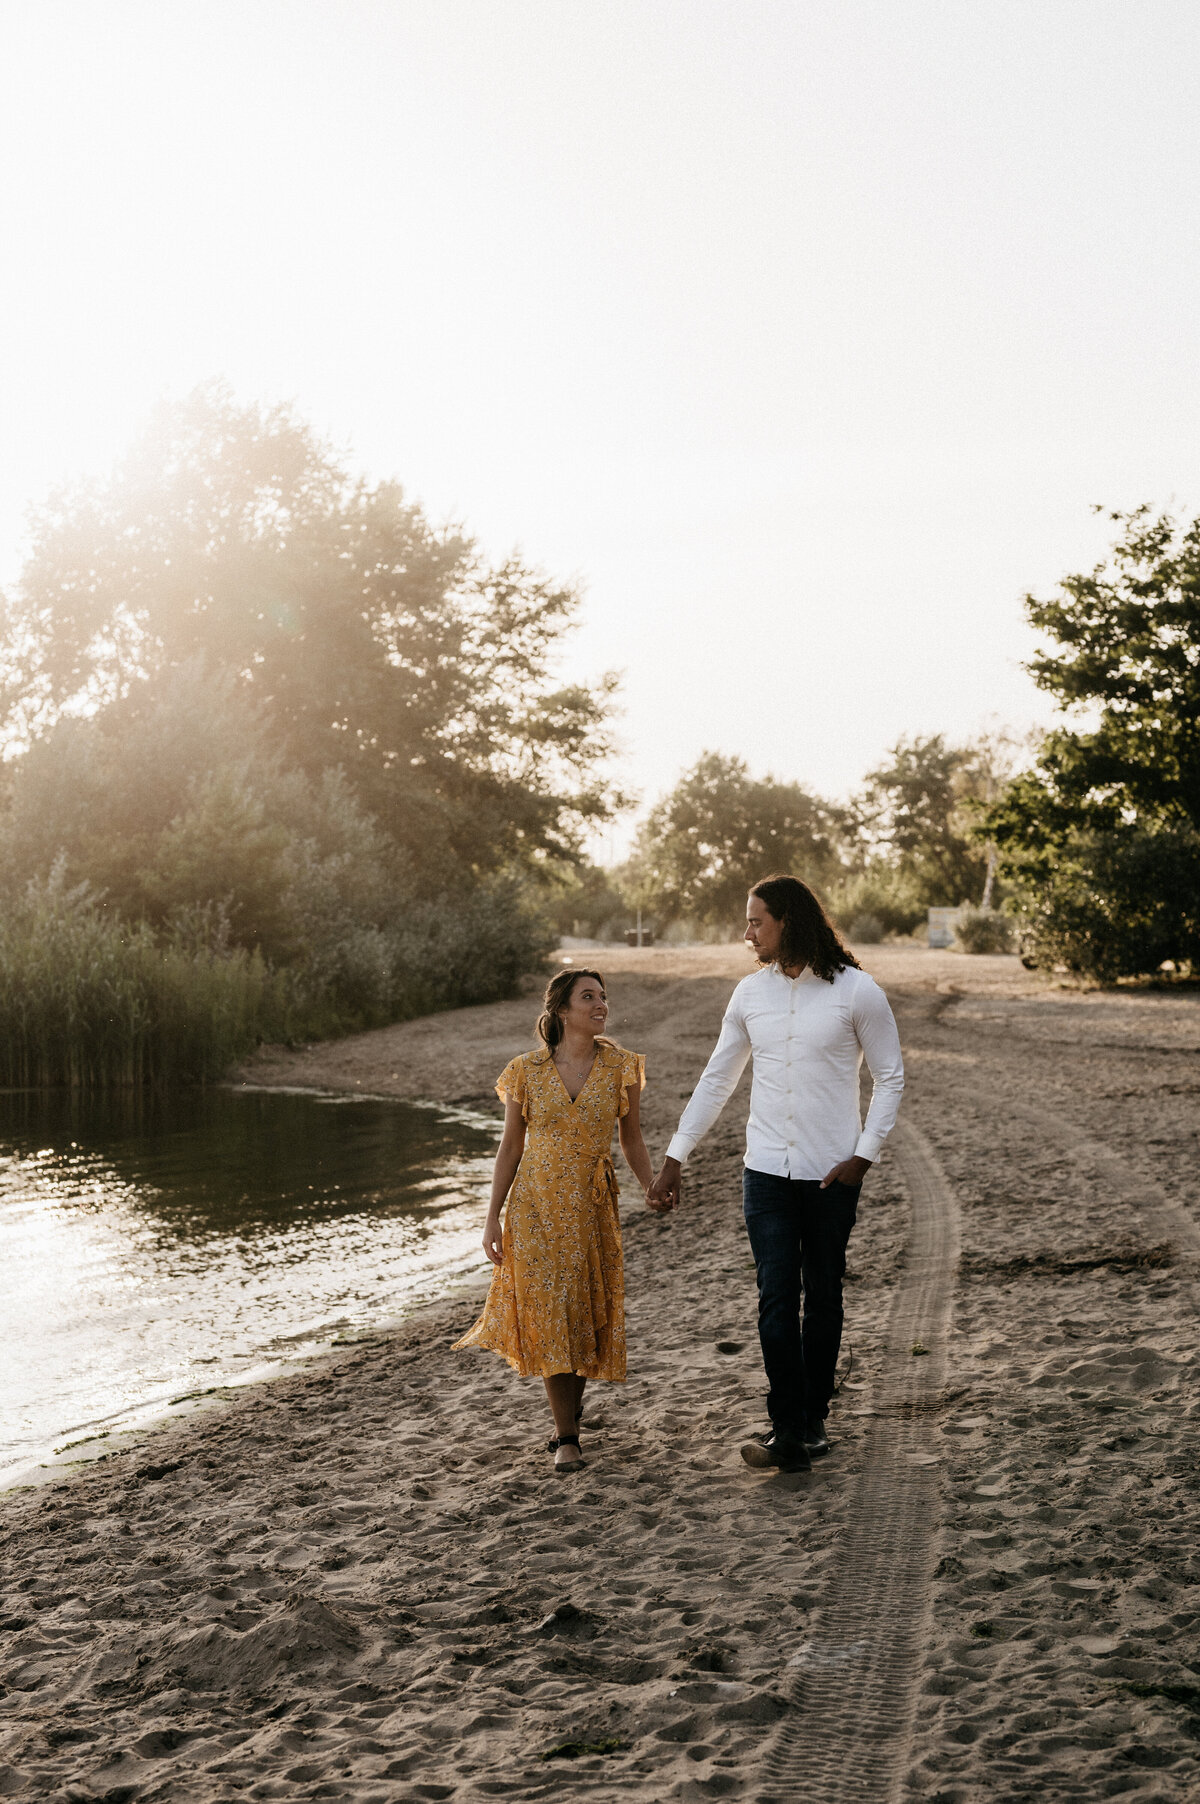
x,y
849,1734
1065,1658
365,1583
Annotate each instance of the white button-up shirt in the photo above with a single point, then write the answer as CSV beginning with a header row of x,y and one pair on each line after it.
x,y
807,1038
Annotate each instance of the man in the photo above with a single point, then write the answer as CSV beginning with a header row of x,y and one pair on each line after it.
x,y
807,1017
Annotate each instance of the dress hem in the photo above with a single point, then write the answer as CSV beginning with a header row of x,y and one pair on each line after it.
x,y
525,1370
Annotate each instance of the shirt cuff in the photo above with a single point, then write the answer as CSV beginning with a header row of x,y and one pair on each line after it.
x,y
869,1147
681,1145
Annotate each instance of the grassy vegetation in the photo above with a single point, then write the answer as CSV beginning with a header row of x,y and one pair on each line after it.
x,y
88,1000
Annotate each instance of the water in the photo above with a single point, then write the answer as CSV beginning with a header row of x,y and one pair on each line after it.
x,y
156,1247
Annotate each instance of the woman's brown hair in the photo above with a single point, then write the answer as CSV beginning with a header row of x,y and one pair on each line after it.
x,y
809,936
556,999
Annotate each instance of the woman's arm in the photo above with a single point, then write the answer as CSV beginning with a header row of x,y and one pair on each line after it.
x,y
629,1130
512,1145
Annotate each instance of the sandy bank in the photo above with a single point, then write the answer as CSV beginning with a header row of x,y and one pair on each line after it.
x,y
365,1583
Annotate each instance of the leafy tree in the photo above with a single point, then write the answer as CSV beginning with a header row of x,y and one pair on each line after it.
x,y
1101,838
876,900
1128,648
589,902
718,831
175,809
264,717
913,814
231,540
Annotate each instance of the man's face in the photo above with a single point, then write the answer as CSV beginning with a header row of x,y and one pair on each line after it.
x,y
763,931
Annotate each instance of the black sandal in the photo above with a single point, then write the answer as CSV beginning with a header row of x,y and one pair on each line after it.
x,y
565,1440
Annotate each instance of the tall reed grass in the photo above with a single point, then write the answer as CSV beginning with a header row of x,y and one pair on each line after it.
x,y
87,1000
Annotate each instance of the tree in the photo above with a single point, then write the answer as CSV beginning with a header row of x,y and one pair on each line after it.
x,y
1128,646
718,831
262,715
231,540
1101,838
913,814
175,805
586,901
989,763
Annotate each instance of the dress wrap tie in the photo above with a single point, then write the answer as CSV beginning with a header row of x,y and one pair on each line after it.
x,y
604,1179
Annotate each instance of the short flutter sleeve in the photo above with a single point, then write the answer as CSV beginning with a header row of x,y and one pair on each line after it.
x,y
512,1085
633,1077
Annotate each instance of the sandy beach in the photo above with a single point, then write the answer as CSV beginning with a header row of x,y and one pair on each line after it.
x,y
364,1581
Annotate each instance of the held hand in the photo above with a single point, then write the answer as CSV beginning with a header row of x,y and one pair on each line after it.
x,y
666,1190
493,1240
850,1172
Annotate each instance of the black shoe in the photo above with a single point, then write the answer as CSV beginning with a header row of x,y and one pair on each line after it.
x,y
814,1440
785,1453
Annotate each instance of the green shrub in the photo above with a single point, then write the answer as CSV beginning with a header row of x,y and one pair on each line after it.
x,y
881,894
865,930
984,930
194,863
589,901
88,999
469,948
1117,904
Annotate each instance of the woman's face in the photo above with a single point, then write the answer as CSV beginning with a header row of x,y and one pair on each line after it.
x,y
587,1007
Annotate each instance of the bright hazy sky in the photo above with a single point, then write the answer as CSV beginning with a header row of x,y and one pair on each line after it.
x,y
803,334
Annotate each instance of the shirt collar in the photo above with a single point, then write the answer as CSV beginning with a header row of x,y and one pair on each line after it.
x,y
802,977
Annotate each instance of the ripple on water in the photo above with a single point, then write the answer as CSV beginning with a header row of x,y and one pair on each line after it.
x,y
157,1246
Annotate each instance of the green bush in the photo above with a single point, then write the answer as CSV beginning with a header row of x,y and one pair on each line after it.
x,y
471,948
176,840
865,930
88,999
1117,904
458,950
880,894
984,930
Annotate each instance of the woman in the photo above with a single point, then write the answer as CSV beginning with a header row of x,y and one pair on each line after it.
x,y
556,1306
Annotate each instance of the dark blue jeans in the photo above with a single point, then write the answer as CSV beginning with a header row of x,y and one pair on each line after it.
x,y
798,1233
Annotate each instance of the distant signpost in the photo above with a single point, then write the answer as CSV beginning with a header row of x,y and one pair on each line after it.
x,y
639,935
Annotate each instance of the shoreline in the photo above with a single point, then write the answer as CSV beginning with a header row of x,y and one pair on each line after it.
x,y
157,1417
161,1418
363,1581
121,1423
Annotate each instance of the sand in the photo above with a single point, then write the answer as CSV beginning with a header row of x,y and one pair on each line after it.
x,y
365,1582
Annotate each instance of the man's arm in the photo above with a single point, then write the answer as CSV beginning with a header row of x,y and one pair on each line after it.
x,y
718,1081
875,1026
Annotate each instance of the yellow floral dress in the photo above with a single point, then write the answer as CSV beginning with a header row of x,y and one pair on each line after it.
x,y
557,1303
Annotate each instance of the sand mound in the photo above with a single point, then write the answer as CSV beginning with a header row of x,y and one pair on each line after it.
x,y
305,1632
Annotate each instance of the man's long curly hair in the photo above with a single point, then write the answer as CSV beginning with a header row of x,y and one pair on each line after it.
x,y
809,936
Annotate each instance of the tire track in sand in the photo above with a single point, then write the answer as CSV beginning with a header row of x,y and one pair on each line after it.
x,y
1158,1212
854,1690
